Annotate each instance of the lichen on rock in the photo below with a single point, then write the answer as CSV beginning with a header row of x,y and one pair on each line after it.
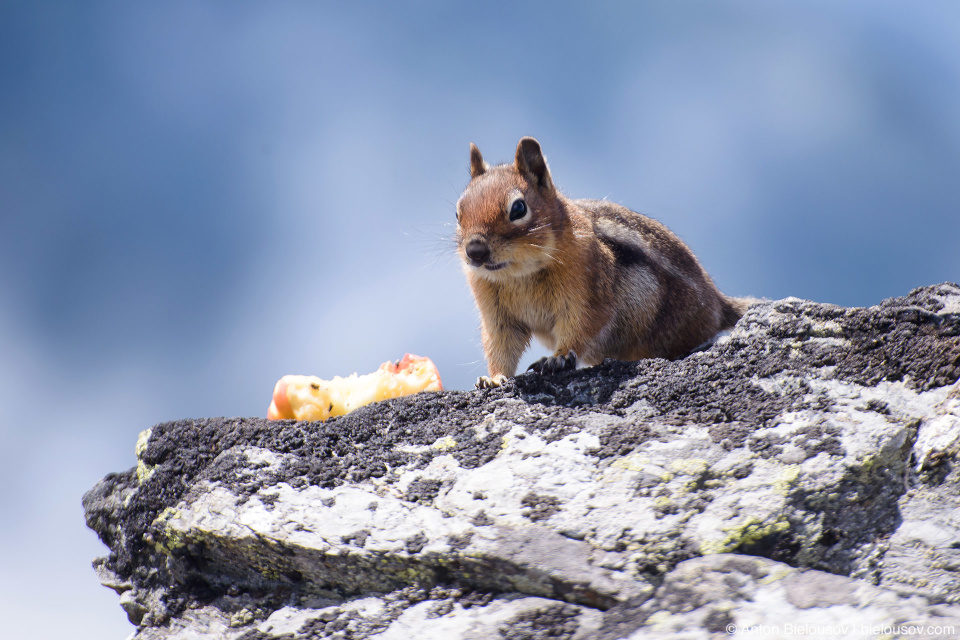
x,y
810,456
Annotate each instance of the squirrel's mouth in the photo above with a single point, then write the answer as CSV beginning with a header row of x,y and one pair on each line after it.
x,y
495,267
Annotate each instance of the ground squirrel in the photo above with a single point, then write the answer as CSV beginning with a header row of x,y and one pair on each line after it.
x,y
589,278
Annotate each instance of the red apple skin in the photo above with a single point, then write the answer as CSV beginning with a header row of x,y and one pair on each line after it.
x,y
280,408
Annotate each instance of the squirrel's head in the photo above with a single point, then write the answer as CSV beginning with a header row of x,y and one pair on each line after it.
x,y
509,218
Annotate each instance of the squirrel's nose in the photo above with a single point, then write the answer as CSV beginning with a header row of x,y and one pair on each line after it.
x,y
478,251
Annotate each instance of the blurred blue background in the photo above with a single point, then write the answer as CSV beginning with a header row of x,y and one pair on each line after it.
x,y
199,197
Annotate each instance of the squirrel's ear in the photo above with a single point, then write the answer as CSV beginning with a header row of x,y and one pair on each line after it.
x,y
531,163
477,165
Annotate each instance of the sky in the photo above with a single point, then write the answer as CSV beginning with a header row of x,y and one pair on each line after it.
x,y
197,198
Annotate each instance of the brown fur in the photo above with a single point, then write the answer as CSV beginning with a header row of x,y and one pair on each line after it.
x,y
582,275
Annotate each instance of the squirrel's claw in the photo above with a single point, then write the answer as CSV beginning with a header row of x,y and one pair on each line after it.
x,y
486,382
553,364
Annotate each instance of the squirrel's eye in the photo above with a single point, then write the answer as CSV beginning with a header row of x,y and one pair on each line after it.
x,y
518,210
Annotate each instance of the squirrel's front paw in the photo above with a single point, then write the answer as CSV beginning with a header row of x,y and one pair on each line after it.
x,y
553,364
485,382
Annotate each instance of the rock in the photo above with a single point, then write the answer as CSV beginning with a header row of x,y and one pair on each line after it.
x,y
734,595
802,470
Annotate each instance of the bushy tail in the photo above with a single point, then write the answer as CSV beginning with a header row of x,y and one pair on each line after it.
x,y
733,310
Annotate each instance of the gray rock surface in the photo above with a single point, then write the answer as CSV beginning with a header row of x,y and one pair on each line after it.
x,y
802,471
